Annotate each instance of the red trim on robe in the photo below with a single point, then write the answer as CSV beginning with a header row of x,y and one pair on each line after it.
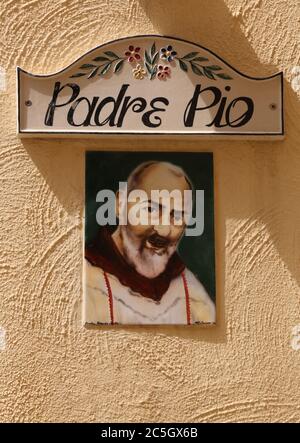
x,y
104,253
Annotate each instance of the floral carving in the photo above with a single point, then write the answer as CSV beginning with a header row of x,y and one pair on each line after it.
x,y
163,72
168,53
139,73
146,65
132,54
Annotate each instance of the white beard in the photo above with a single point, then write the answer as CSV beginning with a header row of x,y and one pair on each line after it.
x,y
146,262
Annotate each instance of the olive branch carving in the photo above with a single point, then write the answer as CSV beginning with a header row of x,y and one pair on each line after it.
x,y
110,61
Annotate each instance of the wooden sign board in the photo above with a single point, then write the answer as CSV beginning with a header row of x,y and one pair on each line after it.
x,y
150,85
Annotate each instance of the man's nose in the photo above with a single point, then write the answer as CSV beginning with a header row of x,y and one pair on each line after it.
x,y
162,230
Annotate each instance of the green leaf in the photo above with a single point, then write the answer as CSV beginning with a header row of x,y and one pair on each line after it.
x,y
190,55
79,74
147,58
214,68
200,59
153,49
183,66
148,67
111,54
196,69
208,73
153,73
118,66
155,58
105,68
100,59
93,73
87,66
224,76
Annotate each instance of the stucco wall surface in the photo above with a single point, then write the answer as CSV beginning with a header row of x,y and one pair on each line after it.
x,y
245,368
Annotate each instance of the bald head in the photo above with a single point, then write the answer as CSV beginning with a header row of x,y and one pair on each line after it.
x,y
158,175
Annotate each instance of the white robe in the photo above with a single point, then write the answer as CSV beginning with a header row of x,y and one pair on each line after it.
x,y
132,308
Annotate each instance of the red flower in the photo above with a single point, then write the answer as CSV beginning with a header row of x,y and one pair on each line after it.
x,y
163,72
133,54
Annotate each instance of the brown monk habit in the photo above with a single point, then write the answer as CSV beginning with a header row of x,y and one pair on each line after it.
x,y
104,253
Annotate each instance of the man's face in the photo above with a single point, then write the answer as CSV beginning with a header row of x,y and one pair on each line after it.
x,y
153,237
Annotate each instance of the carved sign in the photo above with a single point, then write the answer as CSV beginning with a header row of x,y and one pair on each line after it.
x,y
149,85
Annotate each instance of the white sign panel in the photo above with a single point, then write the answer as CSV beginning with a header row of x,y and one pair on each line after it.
x,y
149,85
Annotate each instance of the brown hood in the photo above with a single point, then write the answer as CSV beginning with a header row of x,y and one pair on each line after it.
x,y
104,253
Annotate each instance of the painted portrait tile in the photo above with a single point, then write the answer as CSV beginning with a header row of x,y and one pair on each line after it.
x,y
149,238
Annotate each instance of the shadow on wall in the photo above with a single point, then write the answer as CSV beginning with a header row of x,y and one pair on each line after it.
x,y
267,173
210,24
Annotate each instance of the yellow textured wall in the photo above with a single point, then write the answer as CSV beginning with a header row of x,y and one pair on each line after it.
x,y
246,368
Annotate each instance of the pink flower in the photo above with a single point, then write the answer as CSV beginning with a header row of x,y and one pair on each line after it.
x,y
133,54
163,72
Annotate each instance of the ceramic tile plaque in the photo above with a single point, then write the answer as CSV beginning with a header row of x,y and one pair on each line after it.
x,y
149,255
150,85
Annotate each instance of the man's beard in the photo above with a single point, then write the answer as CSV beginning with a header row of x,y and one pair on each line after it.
x,y
148,262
